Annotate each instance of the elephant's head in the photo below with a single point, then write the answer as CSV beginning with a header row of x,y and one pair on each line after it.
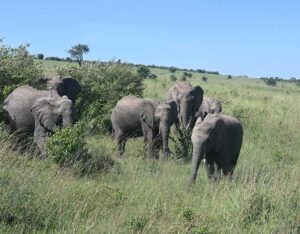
x,y
209,106
51,113
66,86
208,135
166,115
188,103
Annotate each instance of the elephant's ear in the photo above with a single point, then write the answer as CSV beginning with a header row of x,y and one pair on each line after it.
x,y
67,86
42,113
220,135
146,113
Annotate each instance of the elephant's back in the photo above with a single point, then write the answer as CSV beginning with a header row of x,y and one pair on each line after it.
x,y
18,106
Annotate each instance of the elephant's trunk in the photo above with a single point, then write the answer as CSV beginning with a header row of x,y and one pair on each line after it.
x,y
67,121
198,154
165,131
185,115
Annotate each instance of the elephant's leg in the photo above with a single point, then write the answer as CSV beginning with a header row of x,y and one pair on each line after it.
x,y
224,164
121,142
210,169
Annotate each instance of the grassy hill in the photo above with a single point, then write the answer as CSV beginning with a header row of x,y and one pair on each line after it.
x,y
141,195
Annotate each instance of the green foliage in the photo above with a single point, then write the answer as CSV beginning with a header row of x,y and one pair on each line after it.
x,y
143,71
137,224
259,209
40,56
183,146
229,77
77,52
103,85
188,74
269,81
173,69
204,78
67,144
17,67
152,76
183,78
173,77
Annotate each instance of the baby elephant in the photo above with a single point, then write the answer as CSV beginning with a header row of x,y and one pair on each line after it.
x,y
134,117
218,140
209,105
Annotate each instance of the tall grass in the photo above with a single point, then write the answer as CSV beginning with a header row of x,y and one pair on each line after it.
x,y
146,196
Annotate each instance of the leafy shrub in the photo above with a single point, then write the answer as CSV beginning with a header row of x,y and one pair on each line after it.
x,y
187,74
152,76
172,69
17,67
212,72
183,78
269,81
40,56
54,58
66,144
229,77
204,78
103,85
183,146
143,71
173,77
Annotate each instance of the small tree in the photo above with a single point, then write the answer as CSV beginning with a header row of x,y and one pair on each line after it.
x,y
172,69
77,52
204,78
143,71
40,56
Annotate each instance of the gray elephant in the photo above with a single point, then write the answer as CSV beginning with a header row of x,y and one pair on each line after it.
x,y
188,100
209,105
50,113
134,117
166,115
22,104
218,140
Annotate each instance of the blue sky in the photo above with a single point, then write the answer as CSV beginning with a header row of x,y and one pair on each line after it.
x,y
254,38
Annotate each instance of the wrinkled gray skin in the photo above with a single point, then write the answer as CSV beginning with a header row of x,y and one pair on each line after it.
x,y
218,140
67,86
209,105
188,100
24,102
166,115
50,113
134,117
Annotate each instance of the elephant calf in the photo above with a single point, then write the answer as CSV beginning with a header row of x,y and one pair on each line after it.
x,y
218,139
134,117
209,105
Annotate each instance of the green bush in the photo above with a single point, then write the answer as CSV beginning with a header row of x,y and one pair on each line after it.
x,y
67,144
183,146
143,71
172,69
40,56
17,67
229,77
173,77
152,76
204,78
103,84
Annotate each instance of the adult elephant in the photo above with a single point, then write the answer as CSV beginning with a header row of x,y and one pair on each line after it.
x,y
22,104
209,105
188,100
134,117
218,140
67,86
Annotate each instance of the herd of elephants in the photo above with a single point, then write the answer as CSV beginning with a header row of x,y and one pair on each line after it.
x,y
216,137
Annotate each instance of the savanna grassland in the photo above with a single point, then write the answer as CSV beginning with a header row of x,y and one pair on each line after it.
x,y
139,195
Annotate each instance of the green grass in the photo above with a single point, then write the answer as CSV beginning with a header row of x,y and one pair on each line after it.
x,y
141,195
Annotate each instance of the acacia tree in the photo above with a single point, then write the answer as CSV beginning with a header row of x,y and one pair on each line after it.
x,y
77,52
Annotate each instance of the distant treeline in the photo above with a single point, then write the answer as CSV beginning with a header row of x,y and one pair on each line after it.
x,y
173,69
272,80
